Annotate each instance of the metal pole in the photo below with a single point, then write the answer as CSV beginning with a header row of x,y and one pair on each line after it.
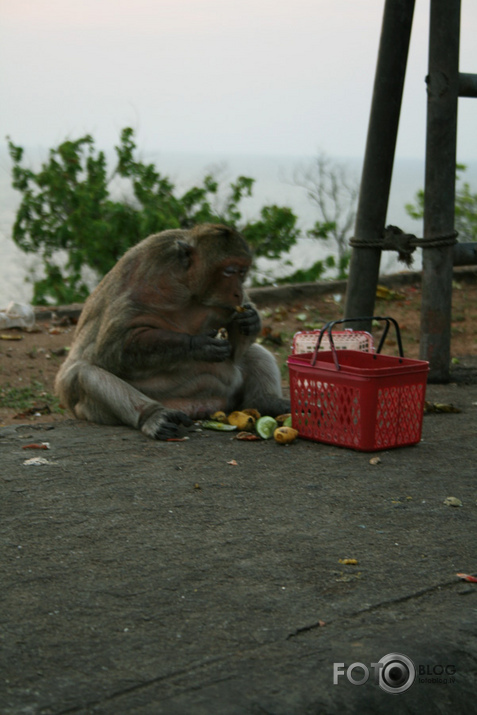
x,y
467,85
379,156
439,195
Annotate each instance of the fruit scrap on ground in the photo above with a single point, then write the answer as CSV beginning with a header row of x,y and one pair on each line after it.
x,y
266,426
467,577
284,420
219,426
285,435
243,421
252,426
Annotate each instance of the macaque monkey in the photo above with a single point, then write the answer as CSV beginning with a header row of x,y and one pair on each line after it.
x,y
147,350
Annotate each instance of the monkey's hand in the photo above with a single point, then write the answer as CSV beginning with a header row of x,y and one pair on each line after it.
x,y
248,320
163,424
207,348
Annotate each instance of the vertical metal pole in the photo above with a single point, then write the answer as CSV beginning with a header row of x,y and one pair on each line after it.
x,y
379,156
439,195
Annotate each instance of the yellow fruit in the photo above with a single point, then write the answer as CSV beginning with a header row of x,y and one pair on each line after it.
x,y
219,417
241,420
254,413
285,435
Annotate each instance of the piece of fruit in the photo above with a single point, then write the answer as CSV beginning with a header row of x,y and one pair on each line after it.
x,y
266,426
250,411
248,436
285,435
284,420
219,417
219,426
244,422
222,334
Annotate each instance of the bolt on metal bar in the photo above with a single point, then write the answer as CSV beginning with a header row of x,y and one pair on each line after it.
x,y
467,85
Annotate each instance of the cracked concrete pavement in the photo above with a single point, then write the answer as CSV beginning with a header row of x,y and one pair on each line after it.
x,y
148,577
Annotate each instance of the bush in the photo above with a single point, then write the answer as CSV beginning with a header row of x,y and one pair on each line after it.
x,y
66,208
465,208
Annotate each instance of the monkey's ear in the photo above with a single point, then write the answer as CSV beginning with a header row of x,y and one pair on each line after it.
x,y
185,251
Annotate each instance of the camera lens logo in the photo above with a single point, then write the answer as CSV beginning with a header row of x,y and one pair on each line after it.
x,y
397,673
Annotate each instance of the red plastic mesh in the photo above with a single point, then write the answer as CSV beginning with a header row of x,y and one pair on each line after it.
x,y
379,409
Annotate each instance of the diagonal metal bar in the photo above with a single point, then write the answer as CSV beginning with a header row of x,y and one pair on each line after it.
x,y
379,156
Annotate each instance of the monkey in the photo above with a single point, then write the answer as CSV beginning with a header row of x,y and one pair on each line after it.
x,y
147,352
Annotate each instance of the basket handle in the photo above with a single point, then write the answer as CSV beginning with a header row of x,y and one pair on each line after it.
x,y
329,326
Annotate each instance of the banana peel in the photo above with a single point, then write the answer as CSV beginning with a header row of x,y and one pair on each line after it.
x,y
440,407
219,426
385,293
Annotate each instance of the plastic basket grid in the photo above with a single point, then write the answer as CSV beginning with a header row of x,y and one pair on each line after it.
x,y
374,402
305,341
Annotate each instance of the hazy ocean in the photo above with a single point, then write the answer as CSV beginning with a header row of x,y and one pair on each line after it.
x,y
274,184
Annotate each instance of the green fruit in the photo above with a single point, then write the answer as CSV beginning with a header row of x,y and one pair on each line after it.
x,y
265,426
219,426
288,422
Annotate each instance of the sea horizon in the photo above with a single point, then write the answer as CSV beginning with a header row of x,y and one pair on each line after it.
x,y
274,184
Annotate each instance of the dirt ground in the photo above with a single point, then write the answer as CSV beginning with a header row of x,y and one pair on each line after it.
x,y
28,364
217,576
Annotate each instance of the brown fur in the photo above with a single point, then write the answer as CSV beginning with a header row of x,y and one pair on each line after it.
x,y
145,352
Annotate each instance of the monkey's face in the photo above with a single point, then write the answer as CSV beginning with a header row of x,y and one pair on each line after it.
x,y
226,290
216,259
222,287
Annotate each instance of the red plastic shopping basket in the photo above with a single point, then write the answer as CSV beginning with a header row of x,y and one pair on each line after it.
x,y
366,401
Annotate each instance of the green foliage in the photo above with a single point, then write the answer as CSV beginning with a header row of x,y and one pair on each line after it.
x,y
69,219
308,275
465,208
26,396
274,233
342,264
324,231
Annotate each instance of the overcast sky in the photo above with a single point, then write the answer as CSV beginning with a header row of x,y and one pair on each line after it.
x,y
212,76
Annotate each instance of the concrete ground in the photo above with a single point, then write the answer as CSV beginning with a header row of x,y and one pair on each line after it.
x,y
158,578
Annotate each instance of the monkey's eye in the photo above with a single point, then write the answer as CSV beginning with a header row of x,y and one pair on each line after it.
x,y
233,270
